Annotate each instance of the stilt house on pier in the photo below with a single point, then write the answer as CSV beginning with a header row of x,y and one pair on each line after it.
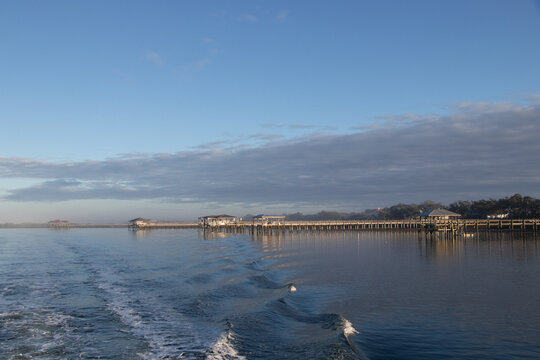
x,y
217,220
138,222
59,223
268,219
438,214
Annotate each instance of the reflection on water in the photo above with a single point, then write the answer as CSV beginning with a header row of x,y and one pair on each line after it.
x,y
504,243
418,296
205,234
516,245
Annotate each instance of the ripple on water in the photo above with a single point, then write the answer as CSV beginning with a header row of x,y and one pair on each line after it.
x,y
36,333
234,307
281,330
168,332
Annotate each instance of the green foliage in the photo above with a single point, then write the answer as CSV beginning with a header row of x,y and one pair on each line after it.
x,y
323,215
516,206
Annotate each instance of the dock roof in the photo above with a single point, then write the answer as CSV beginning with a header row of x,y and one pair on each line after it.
x,y
261,216
439,212
223,216
138,219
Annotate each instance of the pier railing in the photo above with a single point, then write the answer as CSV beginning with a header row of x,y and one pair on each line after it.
x,y
411,224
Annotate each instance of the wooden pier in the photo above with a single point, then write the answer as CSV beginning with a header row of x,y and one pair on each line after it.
x,y
163,225
461,225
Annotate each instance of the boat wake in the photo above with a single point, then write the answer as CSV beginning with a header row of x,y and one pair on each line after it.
x,y
224,349
168,333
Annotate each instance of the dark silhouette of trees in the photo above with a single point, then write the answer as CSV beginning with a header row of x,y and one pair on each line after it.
x,y
516,206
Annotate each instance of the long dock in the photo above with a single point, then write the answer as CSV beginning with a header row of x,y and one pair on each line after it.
x,y
413,224
165,225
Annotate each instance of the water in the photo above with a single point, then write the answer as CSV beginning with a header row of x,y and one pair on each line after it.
x,y
183,294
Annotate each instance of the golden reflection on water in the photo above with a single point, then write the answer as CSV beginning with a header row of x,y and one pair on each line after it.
x,y
214,235
515,244
139,234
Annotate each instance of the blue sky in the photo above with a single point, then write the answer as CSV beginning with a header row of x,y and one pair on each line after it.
x,y
107,82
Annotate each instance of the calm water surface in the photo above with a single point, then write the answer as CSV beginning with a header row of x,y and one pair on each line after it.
x,y
168,294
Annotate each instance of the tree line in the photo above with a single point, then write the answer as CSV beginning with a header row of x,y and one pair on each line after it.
x,y
514,207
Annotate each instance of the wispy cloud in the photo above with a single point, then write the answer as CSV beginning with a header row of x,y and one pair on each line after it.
x,y
216,145
267,137
247,18
154,58
201,63
388,121
272,125
288,126
301,126
197,65
484,151
127,78
283,15
329,128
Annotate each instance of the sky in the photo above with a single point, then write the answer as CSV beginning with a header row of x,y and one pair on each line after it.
x,y
171,110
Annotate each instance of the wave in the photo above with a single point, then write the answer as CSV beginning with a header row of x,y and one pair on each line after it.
x,y
262,281
332,323
36,333
223,349
348,331
167,332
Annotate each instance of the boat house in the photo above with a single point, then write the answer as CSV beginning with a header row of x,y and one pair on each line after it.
x,y
59,223
217,220
268,219
138,222
439,214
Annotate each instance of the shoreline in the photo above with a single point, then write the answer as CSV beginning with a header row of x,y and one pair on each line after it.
x,y
45,226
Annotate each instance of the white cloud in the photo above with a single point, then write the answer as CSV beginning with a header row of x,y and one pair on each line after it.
x,y
154,58
197,65
201,63
487,150
283,15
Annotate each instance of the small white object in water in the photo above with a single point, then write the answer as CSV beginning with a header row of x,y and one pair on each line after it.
x,y
292,288
348,328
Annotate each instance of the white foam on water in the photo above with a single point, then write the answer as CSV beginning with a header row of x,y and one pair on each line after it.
x,y
168,333
46,330
223,349
57,319
8,316
348,328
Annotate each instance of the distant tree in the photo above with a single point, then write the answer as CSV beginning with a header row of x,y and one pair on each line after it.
x,y
294,217
516,206
461,207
